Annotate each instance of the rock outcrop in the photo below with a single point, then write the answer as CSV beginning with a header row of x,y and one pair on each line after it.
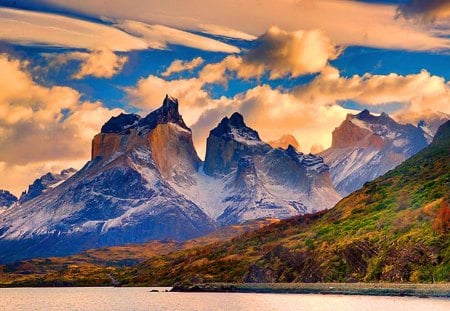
x,y
366,146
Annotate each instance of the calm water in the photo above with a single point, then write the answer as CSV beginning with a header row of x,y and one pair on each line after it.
x,y
50,299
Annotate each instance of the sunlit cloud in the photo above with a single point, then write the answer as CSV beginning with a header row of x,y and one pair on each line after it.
x,y
159,36
38,28
41,124
279,53
346,22
180,66
100,63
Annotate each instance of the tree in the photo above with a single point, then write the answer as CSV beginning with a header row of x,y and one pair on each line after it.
x,y
442,221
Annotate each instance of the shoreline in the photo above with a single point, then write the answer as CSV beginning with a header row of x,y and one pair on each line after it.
x,y
441,290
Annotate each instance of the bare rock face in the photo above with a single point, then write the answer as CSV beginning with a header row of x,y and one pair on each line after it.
x,y
228,142
366,146
284,141
163,132
260,181
7,199
348,134
44,183
123,195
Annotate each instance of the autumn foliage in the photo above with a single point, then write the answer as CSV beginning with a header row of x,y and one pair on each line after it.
x,y
442,221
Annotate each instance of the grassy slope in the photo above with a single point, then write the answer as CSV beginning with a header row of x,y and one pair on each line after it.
x,y
395,229
94,267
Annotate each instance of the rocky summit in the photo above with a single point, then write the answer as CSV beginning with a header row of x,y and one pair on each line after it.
x,y
245,178
122,195
6,199
145,182
366,146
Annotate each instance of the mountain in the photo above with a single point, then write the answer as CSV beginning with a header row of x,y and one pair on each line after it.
x,y
45,182
6,199
366,146
244,178
145,182
284,142
122,195
395,229
94,267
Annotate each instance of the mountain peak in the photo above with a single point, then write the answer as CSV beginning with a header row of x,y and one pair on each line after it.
x,y
363,114
120,123
167,113
237,120
170,102
235,129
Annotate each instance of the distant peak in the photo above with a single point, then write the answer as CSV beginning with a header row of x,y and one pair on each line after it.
x,y
120,123
170,101
364,114
237,120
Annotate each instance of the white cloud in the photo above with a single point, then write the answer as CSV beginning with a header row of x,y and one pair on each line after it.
x,y
37,28
99,63
346,22
159,36
418,92
29,28
278,52
42,124
180,66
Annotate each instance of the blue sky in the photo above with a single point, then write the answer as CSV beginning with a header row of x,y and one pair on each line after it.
x,y
294,68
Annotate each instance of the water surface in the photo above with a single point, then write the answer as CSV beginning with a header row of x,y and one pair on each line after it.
x,y
96,298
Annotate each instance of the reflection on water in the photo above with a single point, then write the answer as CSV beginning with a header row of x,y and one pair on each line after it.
x,y
49,299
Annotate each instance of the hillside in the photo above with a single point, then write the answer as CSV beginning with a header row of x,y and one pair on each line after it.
x,y
395,229
94,267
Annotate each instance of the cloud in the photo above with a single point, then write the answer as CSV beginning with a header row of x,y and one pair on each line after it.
x,y
150,91
425,10
61,31
43,124
99,63
278,52
179,66
124,35
159,36
346,22
417,92
309,112
273,113
225,32
284,53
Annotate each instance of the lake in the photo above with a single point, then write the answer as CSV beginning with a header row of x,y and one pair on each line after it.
x,y
96,298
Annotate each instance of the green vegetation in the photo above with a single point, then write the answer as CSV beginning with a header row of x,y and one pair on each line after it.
x,y
395,229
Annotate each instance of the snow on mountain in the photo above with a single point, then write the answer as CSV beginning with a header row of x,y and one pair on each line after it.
x,y
245,178
7,199
45,182
366,146
145,181
121,196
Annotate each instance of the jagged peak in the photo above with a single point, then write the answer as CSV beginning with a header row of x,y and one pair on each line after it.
x,y
235,128
167,113
120,123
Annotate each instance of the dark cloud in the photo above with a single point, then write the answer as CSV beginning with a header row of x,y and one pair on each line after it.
x,y
425,10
